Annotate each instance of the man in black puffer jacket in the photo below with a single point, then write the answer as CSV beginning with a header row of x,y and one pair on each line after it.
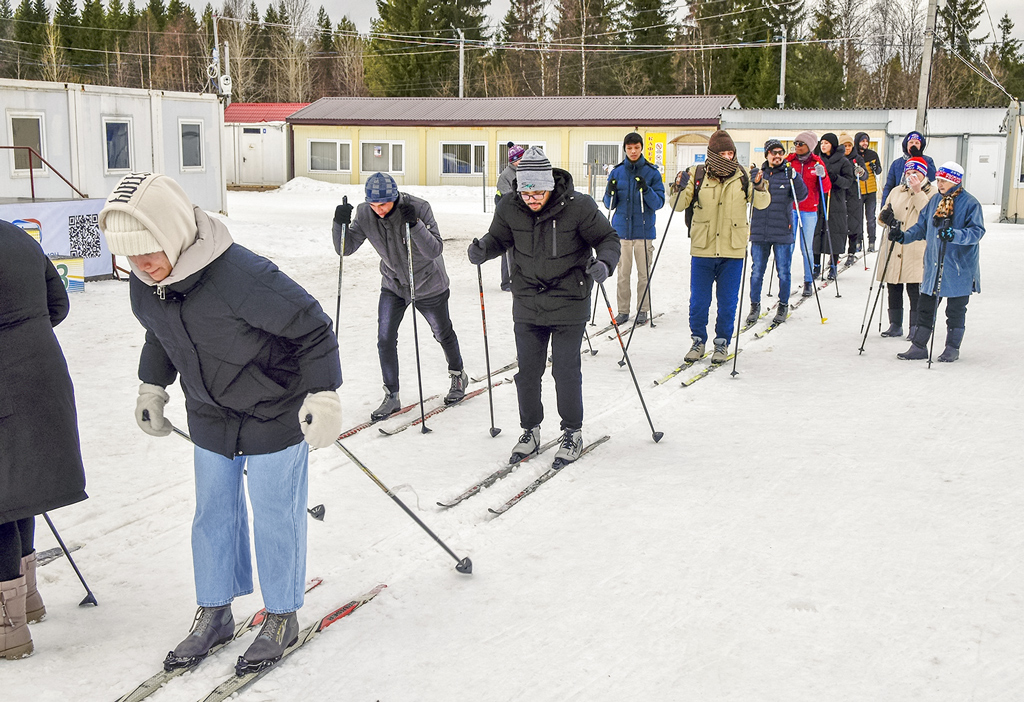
x,y
259,367
552,232
772,228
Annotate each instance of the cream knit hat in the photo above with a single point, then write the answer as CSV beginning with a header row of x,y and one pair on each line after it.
x,y
126,236
146,213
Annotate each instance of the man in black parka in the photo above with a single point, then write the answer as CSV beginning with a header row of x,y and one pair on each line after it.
x,y
40,459
552,232
259,367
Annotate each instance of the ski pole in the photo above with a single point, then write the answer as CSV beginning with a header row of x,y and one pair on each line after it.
x,y
415,332
874,275
650,276
885,269
771,271
593,315
801,233
316,512
89,597
487,354
463,565
828,233
656,435
341,262
938,289
647,266
590,346
739,313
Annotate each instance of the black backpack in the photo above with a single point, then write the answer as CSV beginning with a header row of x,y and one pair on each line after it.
x,y
698,180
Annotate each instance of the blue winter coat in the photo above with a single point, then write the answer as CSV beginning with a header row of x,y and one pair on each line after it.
x,y
622,195
961,270
895,175
249,344
774,224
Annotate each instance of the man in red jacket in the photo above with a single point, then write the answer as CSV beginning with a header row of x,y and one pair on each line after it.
x,y
812,169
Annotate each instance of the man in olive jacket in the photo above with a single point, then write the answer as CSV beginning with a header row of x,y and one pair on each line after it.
x,y
552,232
718,240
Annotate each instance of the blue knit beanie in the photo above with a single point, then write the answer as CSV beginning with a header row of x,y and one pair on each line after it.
x,y
380,187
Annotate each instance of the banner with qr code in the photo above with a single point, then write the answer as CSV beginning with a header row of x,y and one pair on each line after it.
x,y
67,229
72,273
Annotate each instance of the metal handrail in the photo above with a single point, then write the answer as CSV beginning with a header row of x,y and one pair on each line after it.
x,y
31,171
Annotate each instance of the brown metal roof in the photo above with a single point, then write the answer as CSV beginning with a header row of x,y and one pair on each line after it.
x,y
653,110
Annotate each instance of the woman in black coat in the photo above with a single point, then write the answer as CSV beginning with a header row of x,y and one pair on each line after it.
x,y
840,172
40,460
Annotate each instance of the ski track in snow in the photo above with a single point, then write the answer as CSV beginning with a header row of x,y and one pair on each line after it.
x,y
823,526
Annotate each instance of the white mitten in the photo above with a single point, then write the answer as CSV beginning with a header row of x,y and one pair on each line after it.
x,y
320,418
149,410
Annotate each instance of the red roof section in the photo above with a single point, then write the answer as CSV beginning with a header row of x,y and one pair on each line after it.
x,y
255,112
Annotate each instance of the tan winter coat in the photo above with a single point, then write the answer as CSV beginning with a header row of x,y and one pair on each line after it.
x,y
720,226
906,265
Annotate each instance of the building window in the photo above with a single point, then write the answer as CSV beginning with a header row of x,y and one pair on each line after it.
x,y
27,130
250,130
191,145
463,158
383,156
606,155
503,152
330,156
117,133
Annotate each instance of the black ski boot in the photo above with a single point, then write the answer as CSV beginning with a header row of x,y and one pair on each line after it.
x,y
871,246
780,314
642,318
212,626
528,445
755,313
918,350
460,379
622,318
850,260
816,273
808,290
895,323
388,407
952,350
278,633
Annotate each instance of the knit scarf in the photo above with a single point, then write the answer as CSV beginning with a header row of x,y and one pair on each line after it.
x,y
945,209
720,167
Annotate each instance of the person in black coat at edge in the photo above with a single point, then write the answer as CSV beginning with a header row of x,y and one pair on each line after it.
x,y
40,458
869,185
854,211
552,232
840,172
259,366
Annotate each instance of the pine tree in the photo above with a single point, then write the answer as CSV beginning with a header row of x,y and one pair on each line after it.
x,y
519,69
6,32
958,21
817,69
66,24
92,40
648,23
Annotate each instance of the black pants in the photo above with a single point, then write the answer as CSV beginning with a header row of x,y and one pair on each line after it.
x,y
896,299
868,201
956,311
17,540
532,350
390,312
506,278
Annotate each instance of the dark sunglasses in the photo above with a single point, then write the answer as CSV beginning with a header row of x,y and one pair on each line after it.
x,y
777,151
799,143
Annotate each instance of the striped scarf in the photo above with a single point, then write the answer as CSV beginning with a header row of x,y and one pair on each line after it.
x,y
720,167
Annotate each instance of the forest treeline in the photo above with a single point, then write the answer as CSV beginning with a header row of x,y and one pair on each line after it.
x,y
839,53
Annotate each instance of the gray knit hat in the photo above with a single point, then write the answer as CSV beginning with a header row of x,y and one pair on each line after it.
x,y
534,171
380,187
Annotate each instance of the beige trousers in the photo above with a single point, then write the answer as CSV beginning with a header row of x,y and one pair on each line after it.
x,y
642,252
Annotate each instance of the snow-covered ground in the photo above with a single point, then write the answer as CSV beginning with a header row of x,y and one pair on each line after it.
x,y
824,526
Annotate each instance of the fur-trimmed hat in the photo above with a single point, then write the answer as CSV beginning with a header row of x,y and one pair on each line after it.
x,y
721,141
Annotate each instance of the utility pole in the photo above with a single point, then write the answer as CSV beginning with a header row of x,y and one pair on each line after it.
x,y
781,98
926,66
462,60
215,70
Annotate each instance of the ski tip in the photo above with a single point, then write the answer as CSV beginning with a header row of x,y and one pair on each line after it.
x,y
465,566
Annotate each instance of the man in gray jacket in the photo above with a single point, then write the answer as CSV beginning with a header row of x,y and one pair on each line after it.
x,y
506,184
382,220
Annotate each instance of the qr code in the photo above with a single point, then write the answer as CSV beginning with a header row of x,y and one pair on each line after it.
x,y
84,233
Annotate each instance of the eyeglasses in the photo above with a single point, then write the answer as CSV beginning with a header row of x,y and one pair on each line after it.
x,y
534,197
777,152
799,143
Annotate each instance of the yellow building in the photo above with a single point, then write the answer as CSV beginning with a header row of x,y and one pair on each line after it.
x,y
463,141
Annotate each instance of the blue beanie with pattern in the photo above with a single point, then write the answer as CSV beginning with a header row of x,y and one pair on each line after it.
x,y
380,187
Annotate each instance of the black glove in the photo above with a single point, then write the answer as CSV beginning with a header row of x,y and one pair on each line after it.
x,y
682,178
895,233
754,171
875,168
640,184
477,253
598,270
343,214
887,217
406,209
609,190
790,171
947,234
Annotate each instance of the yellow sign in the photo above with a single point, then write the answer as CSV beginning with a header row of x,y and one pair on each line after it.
x,y
655,148
72,273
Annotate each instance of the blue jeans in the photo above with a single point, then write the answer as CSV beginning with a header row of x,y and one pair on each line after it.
x,y
759,263
724,274
808,221
390,312
220,530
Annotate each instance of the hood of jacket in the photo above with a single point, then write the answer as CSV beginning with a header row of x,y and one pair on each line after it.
x,y
856,142
924,144
211,240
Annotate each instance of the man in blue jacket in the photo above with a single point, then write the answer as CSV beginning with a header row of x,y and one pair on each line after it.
x,y
953,223
913,145
635,190
259,367
772,228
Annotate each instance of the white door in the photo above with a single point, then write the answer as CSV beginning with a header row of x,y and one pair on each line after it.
x,y
251,155
689,155
981,178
